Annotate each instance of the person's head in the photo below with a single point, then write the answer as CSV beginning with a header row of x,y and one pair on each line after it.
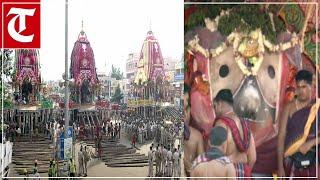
x,y
218,137
70,159
150,148
304,85
222,101
175,149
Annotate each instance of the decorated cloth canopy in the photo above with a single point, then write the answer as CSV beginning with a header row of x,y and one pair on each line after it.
x,y
150,64
27,66
82,62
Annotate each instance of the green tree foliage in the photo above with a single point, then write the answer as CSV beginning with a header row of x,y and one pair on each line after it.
x,y
243,17
118,95
7,65
116,73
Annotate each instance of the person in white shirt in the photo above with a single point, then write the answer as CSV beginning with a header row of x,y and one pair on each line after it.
x,y
169,163
164,161
150,162
176,163
18,133
158,160
179,150
81,162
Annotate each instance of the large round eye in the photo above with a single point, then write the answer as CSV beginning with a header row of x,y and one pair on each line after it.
x,y
224,71
271,71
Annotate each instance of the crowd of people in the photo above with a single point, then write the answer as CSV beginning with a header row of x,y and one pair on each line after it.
x,y
164,132
161,130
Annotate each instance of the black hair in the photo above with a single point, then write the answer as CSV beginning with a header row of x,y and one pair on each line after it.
x,y
304,75
224,95
218,135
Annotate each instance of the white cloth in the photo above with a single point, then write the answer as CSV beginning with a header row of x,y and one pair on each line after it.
x,y
19,130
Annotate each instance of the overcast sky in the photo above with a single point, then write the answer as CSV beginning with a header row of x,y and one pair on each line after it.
x,y
114,29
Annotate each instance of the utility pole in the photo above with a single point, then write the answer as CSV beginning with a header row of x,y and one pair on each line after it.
x,y
66,72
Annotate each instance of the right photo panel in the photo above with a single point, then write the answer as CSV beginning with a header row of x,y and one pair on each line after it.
x,y
250,89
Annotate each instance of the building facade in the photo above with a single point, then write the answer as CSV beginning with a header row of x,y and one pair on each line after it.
x,y
178,83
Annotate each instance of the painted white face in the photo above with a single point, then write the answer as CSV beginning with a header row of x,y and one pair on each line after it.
x,y
27,60
84,62
84,47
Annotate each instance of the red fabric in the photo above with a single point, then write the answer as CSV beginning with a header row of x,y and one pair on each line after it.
x,y
188,12
189,69
267,158
243,170
242,144
247,172
202,65
202,111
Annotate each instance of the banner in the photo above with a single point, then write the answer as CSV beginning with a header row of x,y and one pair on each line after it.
x,y
68,148
67,144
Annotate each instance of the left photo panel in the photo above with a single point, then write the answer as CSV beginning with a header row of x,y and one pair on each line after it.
x,y
91,89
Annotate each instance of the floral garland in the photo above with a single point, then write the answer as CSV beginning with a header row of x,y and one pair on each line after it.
x,y
236,40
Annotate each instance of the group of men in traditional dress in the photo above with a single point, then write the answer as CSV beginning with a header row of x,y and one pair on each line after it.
x,y
232,151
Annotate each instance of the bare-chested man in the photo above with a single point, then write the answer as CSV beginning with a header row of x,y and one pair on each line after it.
x,y
240,143
193,140
214,163
297,132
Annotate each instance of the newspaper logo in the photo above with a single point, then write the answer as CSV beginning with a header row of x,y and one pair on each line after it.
x,y
21,25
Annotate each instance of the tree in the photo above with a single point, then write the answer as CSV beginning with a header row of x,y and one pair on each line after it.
x,y
7,62
116,73
118,95
7,66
